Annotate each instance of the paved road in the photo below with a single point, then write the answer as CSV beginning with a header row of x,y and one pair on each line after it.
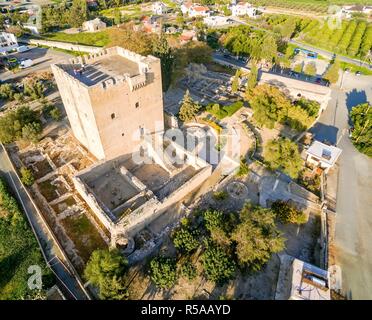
x,y
42,59
329,54
68,283
353,237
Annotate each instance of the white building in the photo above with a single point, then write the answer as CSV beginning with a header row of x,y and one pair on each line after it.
x,y
8,42
349,10
214,21
309,282
243,9
159,8
195,10
322,155
94,25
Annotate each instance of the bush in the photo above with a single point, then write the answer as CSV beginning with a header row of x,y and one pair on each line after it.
x,y
163,272
243,168
220,195
27,177
361,116
219,267
287,213
185,240
188,270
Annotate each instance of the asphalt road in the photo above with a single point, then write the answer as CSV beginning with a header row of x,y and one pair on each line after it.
x,y
66,280
329,54
353,237
42,59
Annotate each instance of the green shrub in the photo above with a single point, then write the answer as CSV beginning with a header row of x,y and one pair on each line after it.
x,y
188,270
287,213
185,240
163,272
220,195
27,176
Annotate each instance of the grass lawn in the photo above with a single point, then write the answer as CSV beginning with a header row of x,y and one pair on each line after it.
x,y
222,112
98,39
355,68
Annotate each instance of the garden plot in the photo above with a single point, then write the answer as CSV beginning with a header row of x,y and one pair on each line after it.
x,y
53,188
37,162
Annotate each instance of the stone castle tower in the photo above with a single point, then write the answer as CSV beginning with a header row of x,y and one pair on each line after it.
x,y
111,99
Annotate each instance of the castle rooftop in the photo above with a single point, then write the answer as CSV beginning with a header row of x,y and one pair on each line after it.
x,y
108,66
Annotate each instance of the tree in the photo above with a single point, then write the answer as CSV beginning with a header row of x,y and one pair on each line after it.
x,y
189,108
332,74
33,88
7,91
235,82
117,16
310,69
188,270
269,105
361,117
268,49
163,272
256,237
287,213
287,28
298,68
283,154
218,266
78,13
163,51
185,240
13,122
252,78
31,132
27,177
106,270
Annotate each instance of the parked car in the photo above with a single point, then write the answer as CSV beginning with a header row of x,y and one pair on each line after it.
x,y
358,73
26,63
11,62
23,48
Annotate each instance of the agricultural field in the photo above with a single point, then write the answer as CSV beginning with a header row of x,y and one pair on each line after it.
x,y
352,38
317,6
99,39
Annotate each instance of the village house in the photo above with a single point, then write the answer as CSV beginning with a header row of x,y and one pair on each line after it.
x,y
243,9
214,21
94,25
159,8
8,42
322,155
195,10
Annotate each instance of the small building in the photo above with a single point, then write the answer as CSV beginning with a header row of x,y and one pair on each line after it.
x,y
187,35
349,10
243,9
195,10
309,282
322,155
159,8
8,42
94,25
214,21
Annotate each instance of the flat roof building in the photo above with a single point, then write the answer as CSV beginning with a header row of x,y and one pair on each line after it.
x,y
322,155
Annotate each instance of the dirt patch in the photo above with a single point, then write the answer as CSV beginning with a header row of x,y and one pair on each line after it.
x,y
83,234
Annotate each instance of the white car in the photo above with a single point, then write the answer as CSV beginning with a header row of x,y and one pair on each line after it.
x,y
26,63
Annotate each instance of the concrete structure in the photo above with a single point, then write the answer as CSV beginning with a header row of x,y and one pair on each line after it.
x,y
243,9
8,42
322,155
347,11
159,8
94,25
127,194
195,10
112,98
309,282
